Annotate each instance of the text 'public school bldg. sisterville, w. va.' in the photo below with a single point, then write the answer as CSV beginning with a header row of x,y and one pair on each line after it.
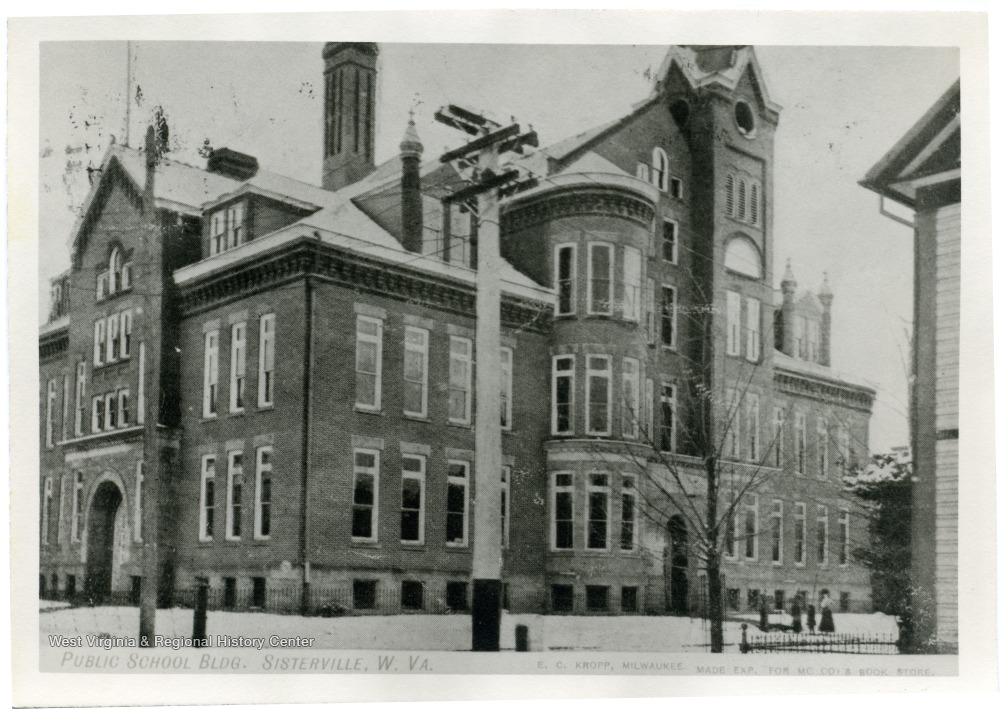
x,y
273,382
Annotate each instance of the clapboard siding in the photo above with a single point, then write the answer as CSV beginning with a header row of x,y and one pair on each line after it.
x,y
947,330
946,572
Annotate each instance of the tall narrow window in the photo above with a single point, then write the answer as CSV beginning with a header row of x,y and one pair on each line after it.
x,y
457,519
731,423
123,409
642,171
126,330
733,325
777,531
630,398
262,494
729,535
505,473
460,380
800,533
730,195
598,395
206,525
110,411
753,329
234,496
650,300
100,337
741,201
566,278
217,240
753,427
211,383
779,437
81,397
844,449
265,362
562,511
598,496
632,283
415,371
754,203
97,414
844,535
411,523
660,170
364,505
750,527
668,421
630,528
75,519
61,524
600,278
114,337
800,442
670,241
668,316
506,388
823,448
648,405
50,414
140,479
563,384
822,535
238,367
368,364
46,509
234,219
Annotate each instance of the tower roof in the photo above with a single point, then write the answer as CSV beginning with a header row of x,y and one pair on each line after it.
x,y
824,290
331,48
789,277
411,145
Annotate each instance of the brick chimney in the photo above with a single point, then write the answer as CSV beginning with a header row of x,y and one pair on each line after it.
x,y
410,150
788,286
350,71
826,298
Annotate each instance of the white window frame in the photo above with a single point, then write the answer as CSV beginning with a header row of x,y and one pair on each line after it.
x,y
674,246
777,513
734,417
505,474
263,468
650,311
65,411
97,417
571,281
556,375
376,341
642,171
671,313
123,397
680,187
593,489
630,390
232,471
266,361
208,473
822,535
50,406
592,374
668,398
217,233
507,388
661,169
235,225
114,337
844,526
632,284
210,393
463,482
778,421
61,528
418,347
591,310
734,326
237,367
46,509
753,427
100,327
556,490
750,512
800,518
126,334
845,449
629,483
374,472
466,385
421,477
753,329
110,411
76,511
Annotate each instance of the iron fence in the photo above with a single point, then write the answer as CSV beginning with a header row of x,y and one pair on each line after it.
x,y
824,643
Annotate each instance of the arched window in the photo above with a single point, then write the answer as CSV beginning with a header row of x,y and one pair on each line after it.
x,y
730,195
660,168
743,257
115,271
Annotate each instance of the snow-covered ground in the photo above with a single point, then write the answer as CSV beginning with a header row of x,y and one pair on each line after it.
x,y
441,632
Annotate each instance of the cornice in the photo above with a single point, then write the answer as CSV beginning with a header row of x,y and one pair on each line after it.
x,y
577,200
829,392
53,343
359,274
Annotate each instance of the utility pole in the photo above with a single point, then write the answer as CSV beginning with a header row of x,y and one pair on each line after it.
x,y
485,151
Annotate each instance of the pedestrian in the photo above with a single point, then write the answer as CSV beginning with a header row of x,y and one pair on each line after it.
x,y
796,616
811,617
826,612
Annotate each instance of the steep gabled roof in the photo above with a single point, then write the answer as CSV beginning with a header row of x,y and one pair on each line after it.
x,y
722,65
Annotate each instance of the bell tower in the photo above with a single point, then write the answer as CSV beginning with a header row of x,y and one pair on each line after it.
x,y
349,77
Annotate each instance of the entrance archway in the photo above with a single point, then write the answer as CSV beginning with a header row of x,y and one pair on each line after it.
x,y
104,527
678,569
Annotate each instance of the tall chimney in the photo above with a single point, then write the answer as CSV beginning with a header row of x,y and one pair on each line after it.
x,y
349,112
826,298
788,323
410,150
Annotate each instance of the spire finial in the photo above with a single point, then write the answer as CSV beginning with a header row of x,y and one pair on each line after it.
x,y
824,290
789,277
411,145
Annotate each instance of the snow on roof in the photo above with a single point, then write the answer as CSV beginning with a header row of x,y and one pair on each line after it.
x,y
812,369
176,183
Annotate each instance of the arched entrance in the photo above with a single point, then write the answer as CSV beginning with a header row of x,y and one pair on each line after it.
x,y
678,564
105,522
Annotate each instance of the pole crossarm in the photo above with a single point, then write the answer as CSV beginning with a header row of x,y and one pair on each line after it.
x,y
481,143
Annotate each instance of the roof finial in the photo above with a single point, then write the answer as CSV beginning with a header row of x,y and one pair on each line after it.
x,y
824,290
411,145
789,277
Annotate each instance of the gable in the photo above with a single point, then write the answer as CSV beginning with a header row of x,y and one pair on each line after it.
x,y
114,182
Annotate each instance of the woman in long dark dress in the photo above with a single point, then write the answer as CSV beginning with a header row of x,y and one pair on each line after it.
x,y
826,613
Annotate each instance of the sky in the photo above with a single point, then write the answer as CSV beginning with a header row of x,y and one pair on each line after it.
x,y
842,109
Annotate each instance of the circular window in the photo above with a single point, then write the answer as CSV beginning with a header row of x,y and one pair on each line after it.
x,y
680,110
745,120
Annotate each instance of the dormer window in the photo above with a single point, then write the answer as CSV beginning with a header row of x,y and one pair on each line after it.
x,y
118,276
227,229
